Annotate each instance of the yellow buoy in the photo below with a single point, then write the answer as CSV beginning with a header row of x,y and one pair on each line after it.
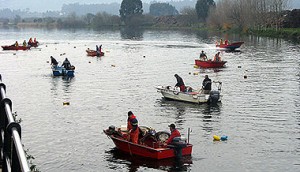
x,y
195,66
216,138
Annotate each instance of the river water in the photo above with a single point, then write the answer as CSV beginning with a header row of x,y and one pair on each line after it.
x,y
260,110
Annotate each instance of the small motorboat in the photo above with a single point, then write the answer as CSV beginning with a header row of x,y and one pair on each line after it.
x,y
209,63
191,95
231,46
61,71
150,143
94,53
12,47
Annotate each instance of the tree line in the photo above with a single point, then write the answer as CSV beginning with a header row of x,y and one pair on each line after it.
x,y
223,14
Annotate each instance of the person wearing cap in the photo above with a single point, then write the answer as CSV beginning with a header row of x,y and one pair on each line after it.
x,y
174,133
203,56
134,132
179,83
206,84
66,64
129,119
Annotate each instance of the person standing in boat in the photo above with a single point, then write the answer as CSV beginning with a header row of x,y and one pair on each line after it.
x,y
53,61
179,83
206,84
66,64
174,133
203,56
134,132
131,117
217,57
16,44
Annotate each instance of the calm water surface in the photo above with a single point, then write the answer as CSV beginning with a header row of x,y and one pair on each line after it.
x,y
259,114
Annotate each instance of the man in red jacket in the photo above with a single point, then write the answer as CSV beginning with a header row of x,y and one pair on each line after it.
x,y
174,133
134,132
130,118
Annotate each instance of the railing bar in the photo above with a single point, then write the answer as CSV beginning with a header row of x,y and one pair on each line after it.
x,y
20,150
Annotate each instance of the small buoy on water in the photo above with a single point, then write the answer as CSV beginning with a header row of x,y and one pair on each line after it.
x,y
239,66
144,56
46,45
195,66
14,53
216,138
189,72
195,73
89,61
113,65
47,61
223,138
74,46
245,76
66,103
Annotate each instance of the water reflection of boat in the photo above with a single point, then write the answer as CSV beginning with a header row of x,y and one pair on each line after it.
x,y
150,144
192,96
183,164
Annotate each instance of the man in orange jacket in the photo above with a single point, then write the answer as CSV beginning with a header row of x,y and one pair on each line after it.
x,y
130,118
134,132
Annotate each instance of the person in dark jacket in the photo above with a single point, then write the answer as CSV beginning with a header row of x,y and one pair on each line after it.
x,y
66,64
179,83
206,84
53,61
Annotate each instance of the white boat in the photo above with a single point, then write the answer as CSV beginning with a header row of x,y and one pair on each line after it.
x,y
191,95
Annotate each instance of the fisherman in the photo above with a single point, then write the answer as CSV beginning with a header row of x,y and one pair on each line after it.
x,y
174,133
66,64
203,56
131,116
133,135
179,83
53,61
206,84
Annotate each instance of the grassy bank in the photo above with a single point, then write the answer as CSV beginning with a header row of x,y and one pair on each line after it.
x,y
289,33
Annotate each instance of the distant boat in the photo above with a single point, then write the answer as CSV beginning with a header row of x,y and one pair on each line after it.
x,y
94,53
209,63
12,47
61,71
231,46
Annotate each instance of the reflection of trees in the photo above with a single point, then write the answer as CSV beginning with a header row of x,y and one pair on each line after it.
x,y
134,33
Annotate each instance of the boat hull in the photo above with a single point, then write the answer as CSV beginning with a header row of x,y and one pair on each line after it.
x,y
60,71
33,44
146,151
94,53
210,64
231,46
191,97
9,47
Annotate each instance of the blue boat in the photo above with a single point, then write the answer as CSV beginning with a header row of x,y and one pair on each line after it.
x,y
61,71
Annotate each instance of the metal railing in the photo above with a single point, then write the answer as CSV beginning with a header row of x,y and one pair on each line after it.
x,y
12,154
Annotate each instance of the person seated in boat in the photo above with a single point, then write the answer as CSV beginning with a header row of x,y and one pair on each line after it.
x,y
130,118
24,43
217,57
30,40
66,64
221,41
16,44
179,83
53,61
133,135
226,42
174,133
206,85
34,40
203,56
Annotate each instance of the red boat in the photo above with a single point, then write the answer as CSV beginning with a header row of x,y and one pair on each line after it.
x,y
94,53
231,46
150,145
12,47
209,63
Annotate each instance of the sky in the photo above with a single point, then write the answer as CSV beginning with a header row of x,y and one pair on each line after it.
x,y
56,5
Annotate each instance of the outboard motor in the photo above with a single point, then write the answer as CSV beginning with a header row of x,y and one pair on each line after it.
x,y
214,97
178,143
